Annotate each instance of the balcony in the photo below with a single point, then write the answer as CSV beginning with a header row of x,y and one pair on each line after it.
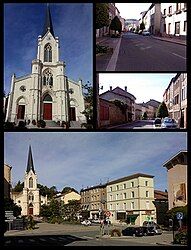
x,y
178,11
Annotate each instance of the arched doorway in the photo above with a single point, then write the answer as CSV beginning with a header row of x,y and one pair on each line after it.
x,y
72,110
21,109
47,107
30,209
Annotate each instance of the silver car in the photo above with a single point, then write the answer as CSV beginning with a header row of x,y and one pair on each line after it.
x,y
169,123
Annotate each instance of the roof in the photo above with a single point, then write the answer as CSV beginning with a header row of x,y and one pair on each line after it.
x,y
168,164
130,177
125,93
160,195
48,22
30,165
93,187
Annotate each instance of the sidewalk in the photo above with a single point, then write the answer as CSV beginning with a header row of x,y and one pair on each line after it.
x,y
171,39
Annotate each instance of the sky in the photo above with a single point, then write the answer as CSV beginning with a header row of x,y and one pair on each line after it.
x,y
144,86
132,10
82,159
72,23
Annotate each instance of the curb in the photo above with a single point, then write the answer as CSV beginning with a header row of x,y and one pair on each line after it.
x,y
177,42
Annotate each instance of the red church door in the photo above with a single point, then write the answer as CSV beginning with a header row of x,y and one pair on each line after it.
x,y
21,112
72,114
47,111
30,210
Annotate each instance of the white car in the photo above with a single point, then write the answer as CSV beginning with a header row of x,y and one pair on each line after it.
x,y
146,33
86,223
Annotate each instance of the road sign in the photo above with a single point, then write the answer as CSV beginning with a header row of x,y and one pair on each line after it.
x,y
9,216
107,213
179,216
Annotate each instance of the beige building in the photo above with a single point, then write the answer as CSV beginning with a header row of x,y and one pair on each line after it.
x,y
93,200
175,98
177,179
29,199
68,197
131,198
7,180
149,107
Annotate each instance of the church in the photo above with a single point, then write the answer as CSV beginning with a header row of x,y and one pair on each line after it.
x,y
47,93
29,199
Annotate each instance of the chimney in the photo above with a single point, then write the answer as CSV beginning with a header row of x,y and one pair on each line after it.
x,y
110,88
126,88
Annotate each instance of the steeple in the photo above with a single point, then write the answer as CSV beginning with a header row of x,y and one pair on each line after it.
x,y
48,22
30,165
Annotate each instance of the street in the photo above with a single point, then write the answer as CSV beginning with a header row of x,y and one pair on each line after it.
x,y
143,124
143,53
78,235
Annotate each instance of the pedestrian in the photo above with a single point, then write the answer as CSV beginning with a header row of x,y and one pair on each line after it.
x,y
102,227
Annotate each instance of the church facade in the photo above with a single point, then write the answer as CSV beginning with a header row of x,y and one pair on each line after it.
x,y
29,199
47,93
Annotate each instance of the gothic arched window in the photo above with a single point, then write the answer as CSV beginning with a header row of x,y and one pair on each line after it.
x,y
47,78
48,53
47,98
30,182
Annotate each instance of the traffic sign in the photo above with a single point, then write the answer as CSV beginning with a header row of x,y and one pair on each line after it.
x,y
107,213
179,216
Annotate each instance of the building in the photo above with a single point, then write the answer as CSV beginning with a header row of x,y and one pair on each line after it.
x,y
126,99
66,197
177,179
149,107
7,180
174,19
29,199
161,204
93,200
130,199
131,24
152,18
47,93
175,98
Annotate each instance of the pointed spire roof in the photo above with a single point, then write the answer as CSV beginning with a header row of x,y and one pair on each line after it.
x,y
30,165
48,22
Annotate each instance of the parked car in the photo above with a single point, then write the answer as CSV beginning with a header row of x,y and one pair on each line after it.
x,y
146,33
133,231
157,122
168,123
148,231
157,229
86,222
153,227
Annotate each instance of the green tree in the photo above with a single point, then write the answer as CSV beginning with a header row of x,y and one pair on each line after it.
x,y
88,97
68,189
171,214
71,210
144,117
162,110
18,187
102,15
116,24
9,205
142,26
44,190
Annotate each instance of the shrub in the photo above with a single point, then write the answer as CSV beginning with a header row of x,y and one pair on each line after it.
x,y
115,232
41,123
181,238
101,49
33,122
31,223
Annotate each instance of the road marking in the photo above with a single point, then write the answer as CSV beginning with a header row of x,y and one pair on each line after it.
x,y
146,48
179,56
42,239
20,241
112,63
31,240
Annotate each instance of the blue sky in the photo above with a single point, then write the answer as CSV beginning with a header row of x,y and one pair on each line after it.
x,y
143,86
72,23
81,159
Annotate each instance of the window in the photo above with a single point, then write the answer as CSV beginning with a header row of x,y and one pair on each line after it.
x,y
147,194
117,187
132,184
47,78
178,6
110,197
169,28
132,205
124,206
124,186
124,195
110,207
170,10
30,182
117,196
132,194
185,26
177,28
147,204
146,183
48,53
164,12
110,189
117,206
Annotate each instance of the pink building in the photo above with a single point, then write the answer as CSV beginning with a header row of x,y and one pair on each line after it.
x,y
177,179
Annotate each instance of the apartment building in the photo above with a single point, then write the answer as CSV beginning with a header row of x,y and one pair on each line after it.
x,y
177,179
174,19
93,200
131,199
175,98
149,107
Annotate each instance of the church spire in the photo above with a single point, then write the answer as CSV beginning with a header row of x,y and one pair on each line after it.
x,y
48,22
30,165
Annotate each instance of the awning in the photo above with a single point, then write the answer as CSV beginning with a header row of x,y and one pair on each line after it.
x,y
132,215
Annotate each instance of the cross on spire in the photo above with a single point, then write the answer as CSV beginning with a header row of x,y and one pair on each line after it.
x,y
48,22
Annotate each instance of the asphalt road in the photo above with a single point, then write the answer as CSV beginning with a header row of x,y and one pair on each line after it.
x,y
77,235
144,53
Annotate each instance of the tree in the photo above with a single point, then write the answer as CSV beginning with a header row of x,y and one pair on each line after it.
x,y
44,190
9,205
142,26
88,96
68,189
162,110
116,24
18,187
71,210
102,15
144,116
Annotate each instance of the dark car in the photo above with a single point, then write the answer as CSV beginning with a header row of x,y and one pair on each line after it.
x,y
133,231
148,231
157,122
